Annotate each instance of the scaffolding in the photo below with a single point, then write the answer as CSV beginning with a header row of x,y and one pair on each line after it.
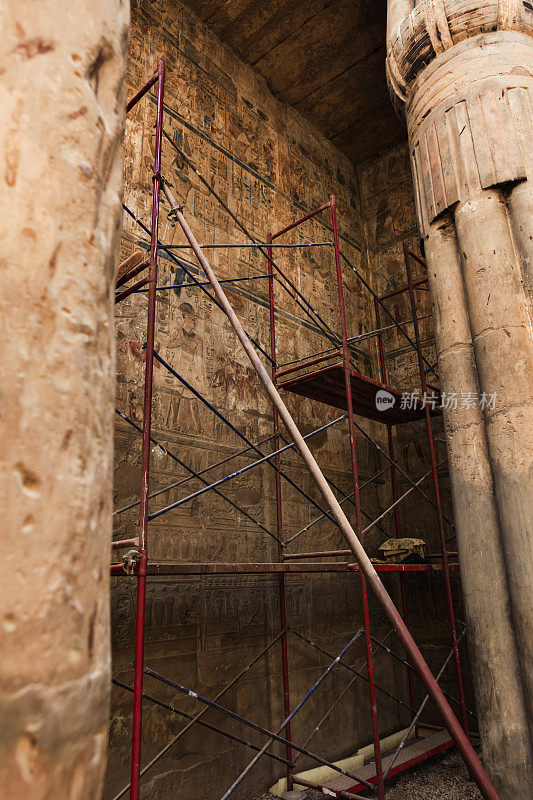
x,y
329,377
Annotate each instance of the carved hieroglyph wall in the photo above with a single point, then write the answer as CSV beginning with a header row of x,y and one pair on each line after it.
x,y
270,167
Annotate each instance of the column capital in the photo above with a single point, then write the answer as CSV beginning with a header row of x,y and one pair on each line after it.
x,y
420,30
469,119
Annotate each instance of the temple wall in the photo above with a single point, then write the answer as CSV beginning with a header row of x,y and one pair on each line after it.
x,y
271,167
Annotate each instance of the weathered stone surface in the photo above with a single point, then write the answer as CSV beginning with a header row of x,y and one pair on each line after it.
x,y
419,31
465,73
270,167
318,56
62,109
495,672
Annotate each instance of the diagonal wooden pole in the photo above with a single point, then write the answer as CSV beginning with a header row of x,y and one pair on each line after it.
x,y
456,732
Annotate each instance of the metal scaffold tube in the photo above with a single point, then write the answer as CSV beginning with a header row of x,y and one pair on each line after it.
x,y
238,472
179,286
395,464
440,516
394,489
418,714
411,669
367,568
300,300
345,499
197,717
358,515
352,669
287,720
185,268
193,474
330,710
231,736
158,78
275,736
279,527
239,433
379,300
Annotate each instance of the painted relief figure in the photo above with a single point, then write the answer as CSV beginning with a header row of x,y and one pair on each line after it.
x,y
186,355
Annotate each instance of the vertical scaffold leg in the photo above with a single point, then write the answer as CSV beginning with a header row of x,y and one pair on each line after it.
x,y
146,446
279,531
456,731
358,516
440,520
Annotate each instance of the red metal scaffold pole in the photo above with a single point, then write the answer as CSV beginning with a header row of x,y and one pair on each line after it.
x,y
445,564
358,518
367,568
394,490
354,538
279,531
159,78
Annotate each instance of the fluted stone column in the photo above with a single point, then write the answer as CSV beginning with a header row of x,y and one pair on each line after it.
x,y
462,70
61,108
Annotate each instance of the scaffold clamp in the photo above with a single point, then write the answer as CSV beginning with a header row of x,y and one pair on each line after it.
x,y
131,559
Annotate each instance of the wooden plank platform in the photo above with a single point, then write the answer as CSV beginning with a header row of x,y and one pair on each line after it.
x,y
275,568
327,385
430,745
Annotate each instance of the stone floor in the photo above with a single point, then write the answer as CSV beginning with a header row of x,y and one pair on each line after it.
x,y
442,779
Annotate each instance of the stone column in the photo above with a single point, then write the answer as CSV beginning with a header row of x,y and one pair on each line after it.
x,y
61,108
463,72
499,697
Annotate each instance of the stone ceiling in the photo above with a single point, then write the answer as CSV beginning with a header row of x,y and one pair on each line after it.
x,y
324,57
